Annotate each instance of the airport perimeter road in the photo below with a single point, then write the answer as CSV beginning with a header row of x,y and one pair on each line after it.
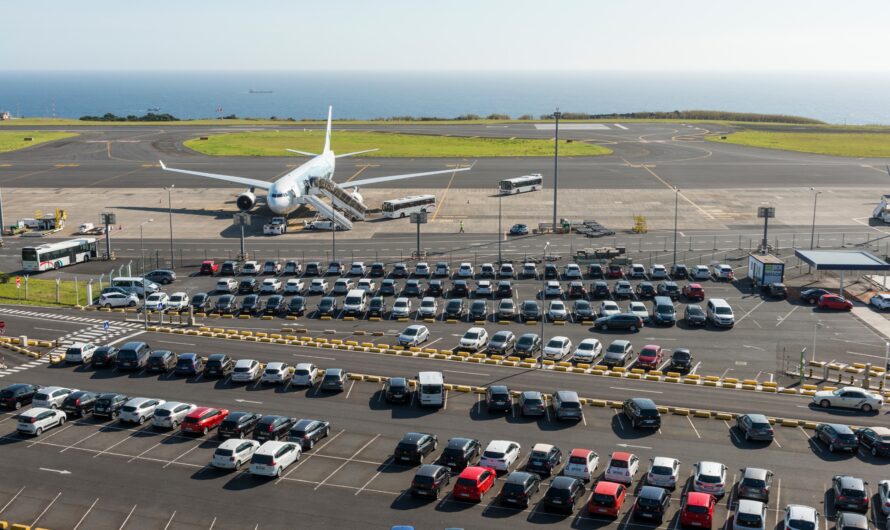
x,y
92,474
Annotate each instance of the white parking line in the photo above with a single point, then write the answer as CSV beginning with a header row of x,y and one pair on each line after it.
x,y
85,514
731,432
213,522
200,442
45,438
788,314
170,521
128,517
310,455
385,465
445,401
14,497
749,312
350,389
693,427
778,499
110,448
636,390
81,440
48,506
362,448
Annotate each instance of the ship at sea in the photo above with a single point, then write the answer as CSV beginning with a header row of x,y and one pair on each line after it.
x,y
252,91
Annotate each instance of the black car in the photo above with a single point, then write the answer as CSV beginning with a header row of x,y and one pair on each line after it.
x,y
161,276
104,356
377,270
313,268
296,306
201,303
387,287
544,459
413,288
776,290
79,403
189,364
435,288
504,289
645,290
551,272
460,453
250,305
563,493
530,310
528,345
837,436
652,503
396,390
502,342
308,432
681,360
161,361
478,310
850,493
811,296
273,428
429,481
377,307
414,446
583,310
459,288
670,289
679,271
874,439
327,306
15,396
617,354
230,268
595,270
454,308
225,304
519,487
218,365
109,405
642,412
577,290
498,399
600,290
275,305
620,321
238,425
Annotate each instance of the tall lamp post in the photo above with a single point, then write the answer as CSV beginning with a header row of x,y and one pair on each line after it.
x,y
813,227
170,211
142,265
556,116
543,288
500,230
142,247
676,209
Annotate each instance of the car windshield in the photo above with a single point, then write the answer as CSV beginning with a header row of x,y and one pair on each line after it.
x,y
846,492
471,335
555,343
585,346
616,348
754,483
724,311
691,508
525,341
620,464
662,470
410,332
680,355
750,520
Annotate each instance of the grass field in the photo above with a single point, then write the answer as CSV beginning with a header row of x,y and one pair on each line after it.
x,y
275,143
15,140
43,292
838,144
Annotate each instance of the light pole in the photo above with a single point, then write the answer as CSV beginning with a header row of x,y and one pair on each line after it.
x,y
333,237
142,265
676,209
886,366
142,248
543,287
815,329
813,228
556,116
500,230
170,211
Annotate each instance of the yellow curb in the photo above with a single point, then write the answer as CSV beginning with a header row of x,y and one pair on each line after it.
x,y
702,413
597,402
723,416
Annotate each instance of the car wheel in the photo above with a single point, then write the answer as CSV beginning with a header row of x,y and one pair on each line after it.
x,y
277,472
866,408
107,306
141,420
811,301
18,405
311,443
874,451
604,327
61,422
633,328
327,432
39,431
824,403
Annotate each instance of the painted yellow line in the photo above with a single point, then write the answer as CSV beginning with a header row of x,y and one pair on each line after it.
x,y
102,181
444,195
357,173
39,171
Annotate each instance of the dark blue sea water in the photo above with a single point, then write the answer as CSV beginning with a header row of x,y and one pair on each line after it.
x,y
832,97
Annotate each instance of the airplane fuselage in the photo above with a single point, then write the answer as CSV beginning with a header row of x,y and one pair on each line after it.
x,y
286,194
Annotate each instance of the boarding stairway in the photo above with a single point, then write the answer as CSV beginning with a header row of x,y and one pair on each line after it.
x,y
339,197
328,211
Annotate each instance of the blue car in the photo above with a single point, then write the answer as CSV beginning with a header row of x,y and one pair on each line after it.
x,y
519,230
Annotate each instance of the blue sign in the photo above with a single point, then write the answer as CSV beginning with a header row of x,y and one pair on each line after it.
x,y
106,325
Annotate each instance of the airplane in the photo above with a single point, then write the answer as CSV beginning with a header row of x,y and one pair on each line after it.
x,y
291,191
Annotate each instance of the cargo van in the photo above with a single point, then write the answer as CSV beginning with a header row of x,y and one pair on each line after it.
x,y
355,301
663,311
135,285
432,389
720,313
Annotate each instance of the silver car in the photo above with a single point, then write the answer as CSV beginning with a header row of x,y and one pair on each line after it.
x,y
663,472
170,414
139,409
51,397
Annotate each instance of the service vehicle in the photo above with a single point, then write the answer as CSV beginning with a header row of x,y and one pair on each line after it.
x,y
525,183
51,256
765,269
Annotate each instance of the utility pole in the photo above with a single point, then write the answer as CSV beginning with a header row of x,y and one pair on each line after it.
x,y
2,224
241,219
765,212
556,116
543,290
813,228
676,209
108,220
500,230
170,210
333,237
418,218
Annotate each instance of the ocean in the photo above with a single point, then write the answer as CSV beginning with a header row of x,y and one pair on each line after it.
x,y
852,98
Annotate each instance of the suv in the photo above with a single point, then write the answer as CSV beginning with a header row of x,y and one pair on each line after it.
x,y
414,446
230,268
544,459
528,345
377,270
429,480
506,309
455,309
238,425
161,276
460,453
529,310
218,365
109,405
642,412
161,361
566,405
79,403
498,399
618,353
502,342
133,356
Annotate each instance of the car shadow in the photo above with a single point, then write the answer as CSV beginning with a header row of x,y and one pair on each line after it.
x,y
246,481
449,504
212,473
621,428
821,451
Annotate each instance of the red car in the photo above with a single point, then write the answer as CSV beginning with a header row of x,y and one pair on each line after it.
x,y
607,498
203,419
694,291
698,510
833,301
615,271
473,483
650,356
208,266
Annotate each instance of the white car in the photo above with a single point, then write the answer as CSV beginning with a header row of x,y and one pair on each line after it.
x,y
553,288
273,457
573,272
880,301
658,272
318,286
582,464
529,270
588,351
251,267
474,339
486,270
294,286
483,289
637,271
663,472
178,301
51,397
401,308
357,268
367,285
156,301
800,517
80,352
422,269
442,269
234,453
639,309
849,397
557,348
270,286
622,467
500,455
304,374
110,300
557,311
139,409
506,270
276,373
701,272
38,419
227,285
414,335
623,289
884,494
170,414
428,307
749,515
246,371
609,308
465,270
709,477
723,272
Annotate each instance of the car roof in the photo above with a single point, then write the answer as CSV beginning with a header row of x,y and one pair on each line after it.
x,y
562,482
34,411
518,477
801,512
697,498
706,467
533,394
138,400
755,473
271,446
750,506
51,389
275,364
620,342
304,423
851,482
238,415
473,472
543,448
664,461
604,487
429,470
244,362
198,411
883,431
499,389
233,443
498,445
582,453
216,356
651,492
757,418
857,520
644,403
333,371
170,405
621,455
459,443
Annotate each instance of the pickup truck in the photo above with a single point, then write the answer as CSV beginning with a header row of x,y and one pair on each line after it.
x,y
277,227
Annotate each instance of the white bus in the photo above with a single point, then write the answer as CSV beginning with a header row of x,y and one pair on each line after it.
x,y
533,182
432,389
408,205
55,255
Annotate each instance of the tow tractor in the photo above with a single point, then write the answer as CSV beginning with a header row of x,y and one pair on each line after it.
x,y
276,227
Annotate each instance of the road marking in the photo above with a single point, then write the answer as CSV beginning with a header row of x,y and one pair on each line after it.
x,y
14,497
357,173
48,506
445,401
315,357
180,343
362,448
693,427
170,521
350,389
788,314
778,499
43,439
81,440
85,514
866,355
143,452
59,471
385,465
636,390
183,454
777,442
731,432
213,522
128,517
122,339
310,455
441,202
620,126
749,312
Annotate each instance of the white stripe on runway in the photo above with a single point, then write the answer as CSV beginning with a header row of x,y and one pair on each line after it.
x,y
620,126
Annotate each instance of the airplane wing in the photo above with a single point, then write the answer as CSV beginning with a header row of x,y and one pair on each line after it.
x,y
376,180
253,183
304,153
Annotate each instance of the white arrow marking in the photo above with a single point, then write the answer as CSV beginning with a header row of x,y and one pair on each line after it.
x,y
59,471
633,446
249,401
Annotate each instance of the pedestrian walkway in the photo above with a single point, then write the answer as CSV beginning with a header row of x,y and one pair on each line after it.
x,y
876,321
48,315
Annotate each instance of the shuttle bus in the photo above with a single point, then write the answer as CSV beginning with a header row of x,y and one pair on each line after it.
x,y
432,389
55,255
408,205
534,182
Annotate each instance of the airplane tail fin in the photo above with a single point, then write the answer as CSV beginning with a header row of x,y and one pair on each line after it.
x,y
327,134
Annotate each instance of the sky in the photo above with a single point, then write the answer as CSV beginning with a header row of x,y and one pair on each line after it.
x,y
419,35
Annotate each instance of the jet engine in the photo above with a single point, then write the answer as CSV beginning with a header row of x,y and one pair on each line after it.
x,y
357,196
246,201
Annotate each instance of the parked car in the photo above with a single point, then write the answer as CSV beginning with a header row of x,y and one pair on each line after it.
x,y
582,464
652,503
276,373
701,272
528,345
230,268
563,494
245,371
292,267
754,427
838,436
681,360
557,348
669,289
161,361
238,425
531,403
836,302
460,453
697,510
109,405
850,493
473,483
607,498
109,300
694,291
755,484
248,286
544,459
139,409
225,304
397,390
415,446
161,276
429,481
709,477
305,374
875,440
500,455
273,457
80,353
529,310
587,351
664,472
308,432
17,395
79,403
498,398
650,357
218,365
618,353
474,339
622,468
232,454
273,427
583,310
171,414
642,412
502,342
694,315
36,420
208,266
51,397
201,303
334,380
519,488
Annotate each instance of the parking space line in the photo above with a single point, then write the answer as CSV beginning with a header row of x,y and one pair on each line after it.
x,y
14,497
310,455
45,438
110,448
788,314
620,421
48,506
200,442
751,311
362,448
79,441
693,427
213,522
384,466
732,432
170,520
778,499
85,514
128,517
776,440
445,401
350,389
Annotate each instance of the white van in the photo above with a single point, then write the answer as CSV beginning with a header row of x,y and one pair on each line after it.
x,y
432,389
720,313
135,285
355,301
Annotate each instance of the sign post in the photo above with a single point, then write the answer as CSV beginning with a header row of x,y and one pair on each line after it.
x,y
803,361
107,220
418,219
765,213
242,219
